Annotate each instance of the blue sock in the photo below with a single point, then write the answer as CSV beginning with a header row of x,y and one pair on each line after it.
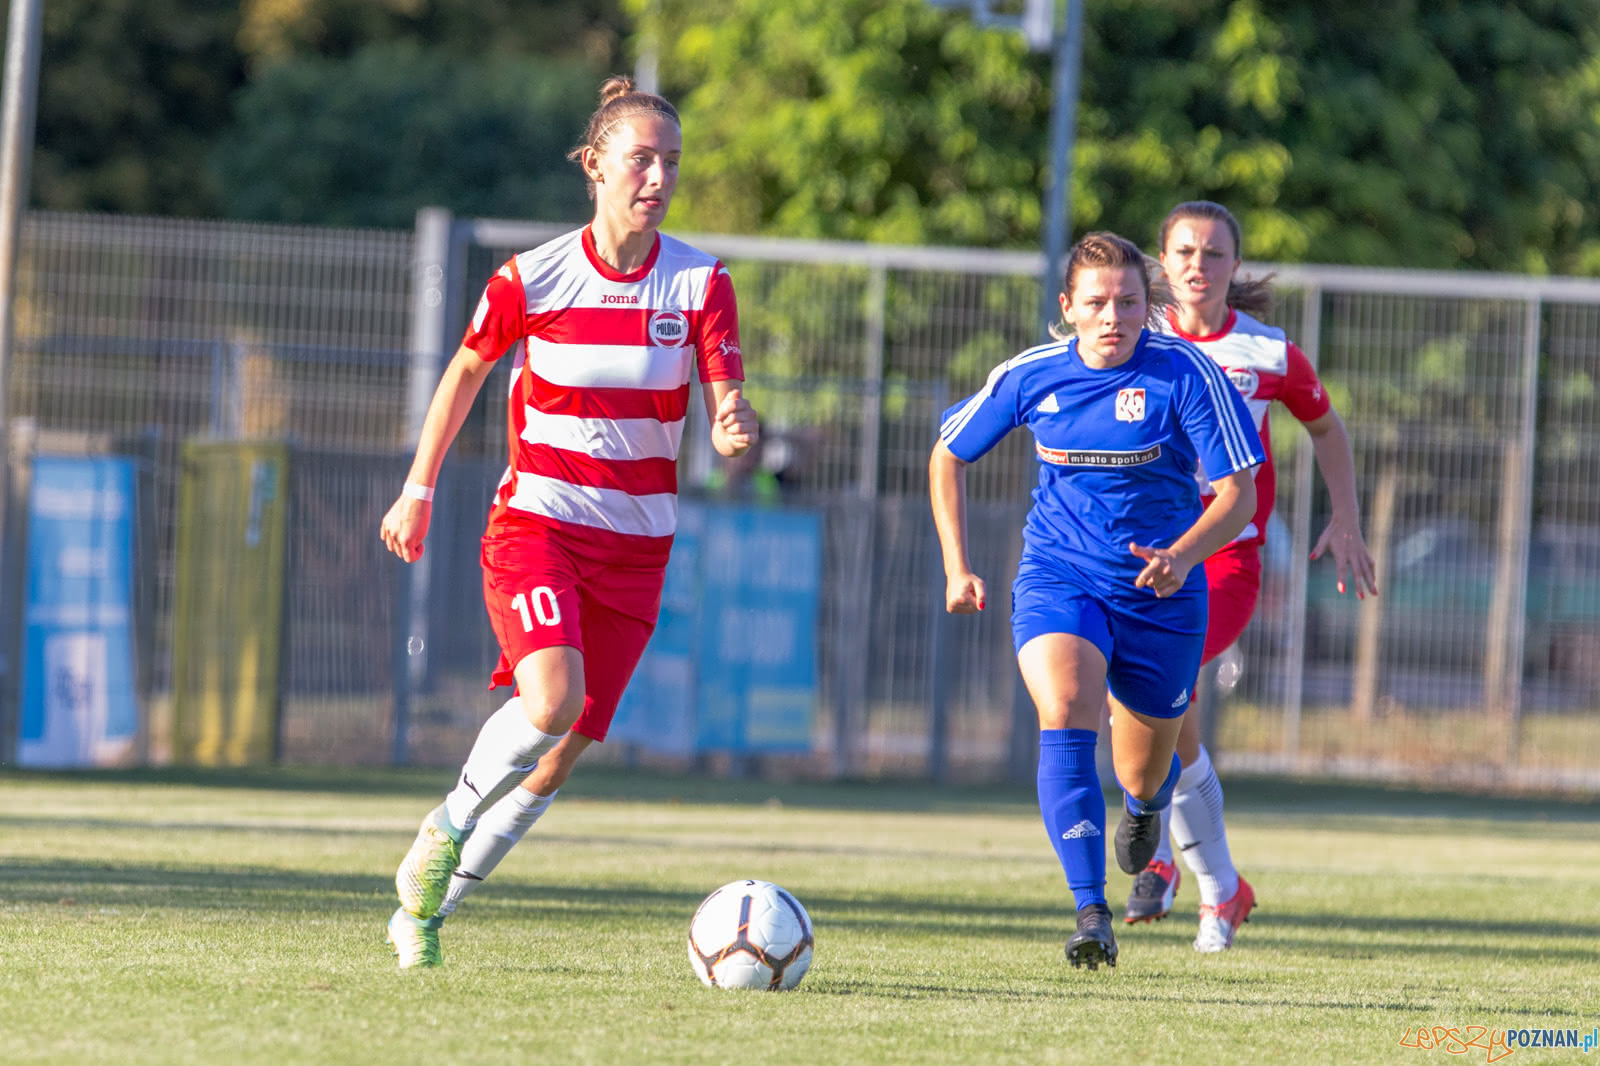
x,y
1163,795
1074,809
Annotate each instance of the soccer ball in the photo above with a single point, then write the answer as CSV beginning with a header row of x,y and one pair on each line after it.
x,y
750,934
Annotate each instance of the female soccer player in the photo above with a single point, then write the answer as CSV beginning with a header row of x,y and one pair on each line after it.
x,y
607,324
1109,592
1200,255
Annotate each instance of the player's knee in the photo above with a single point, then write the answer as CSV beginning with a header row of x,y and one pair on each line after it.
x,y
1140,778
554,707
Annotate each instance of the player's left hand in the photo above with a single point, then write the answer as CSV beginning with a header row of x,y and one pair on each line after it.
x,y
1350,555
1164,572
735,429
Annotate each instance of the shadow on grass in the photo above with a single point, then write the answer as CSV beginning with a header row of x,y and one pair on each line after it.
x,y
269,890
1107,985
1246,795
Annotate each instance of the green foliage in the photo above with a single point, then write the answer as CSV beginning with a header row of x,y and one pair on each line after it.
x,y
131,93
368,140
1468,139
882,120
275,30
1462,134
135,95
1428,135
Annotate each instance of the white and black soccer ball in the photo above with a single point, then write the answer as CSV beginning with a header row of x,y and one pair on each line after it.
x,y
750,934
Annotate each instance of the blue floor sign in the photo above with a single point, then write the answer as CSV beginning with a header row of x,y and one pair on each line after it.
x,y
79,699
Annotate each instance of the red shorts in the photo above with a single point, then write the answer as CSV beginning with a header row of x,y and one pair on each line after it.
x,y
541,594
1233,579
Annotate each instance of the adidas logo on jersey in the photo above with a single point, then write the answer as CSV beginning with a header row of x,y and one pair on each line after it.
x,y
1083,829
1049,406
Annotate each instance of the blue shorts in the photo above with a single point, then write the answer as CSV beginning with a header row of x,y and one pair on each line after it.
x,y
1152,646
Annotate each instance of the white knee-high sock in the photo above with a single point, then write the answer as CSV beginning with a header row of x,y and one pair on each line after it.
x,y
499,829
507,749
1164,849
1202,838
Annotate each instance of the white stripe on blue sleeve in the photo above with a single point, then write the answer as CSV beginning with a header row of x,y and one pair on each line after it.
x,y
1237,442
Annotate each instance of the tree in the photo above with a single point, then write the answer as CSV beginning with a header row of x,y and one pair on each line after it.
x,y
131,93
278,30
135,94
1402,134
1429,135
884,120
365,141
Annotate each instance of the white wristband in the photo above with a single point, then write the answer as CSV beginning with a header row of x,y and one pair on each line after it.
x,y
418,492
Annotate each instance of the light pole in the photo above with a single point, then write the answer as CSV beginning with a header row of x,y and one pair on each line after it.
x,y
16,153
1044,30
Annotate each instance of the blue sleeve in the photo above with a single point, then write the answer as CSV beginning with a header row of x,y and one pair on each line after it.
x,y
1214,417
972,427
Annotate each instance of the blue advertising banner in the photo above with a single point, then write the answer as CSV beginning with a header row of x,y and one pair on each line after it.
x,y
657,710
79,698
733,663
758,620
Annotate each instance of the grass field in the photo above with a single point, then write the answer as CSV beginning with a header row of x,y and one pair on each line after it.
x,y
168,917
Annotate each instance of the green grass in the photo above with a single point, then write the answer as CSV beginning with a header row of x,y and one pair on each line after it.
x,y
190,917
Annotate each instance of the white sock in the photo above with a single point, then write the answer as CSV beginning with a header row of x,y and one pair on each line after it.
x,y
499,829
1197,825
507,749
1164,849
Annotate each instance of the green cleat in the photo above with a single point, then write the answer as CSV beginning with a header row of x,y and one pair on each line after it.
x,y
415,942
424,874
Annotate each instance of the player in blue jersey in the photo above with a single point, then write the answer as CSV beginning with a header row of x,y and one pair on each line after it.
x,y
1110,593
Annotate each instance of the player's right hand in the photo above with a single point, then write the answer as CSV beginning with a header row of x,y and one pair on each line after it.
x,y
963,594
405,526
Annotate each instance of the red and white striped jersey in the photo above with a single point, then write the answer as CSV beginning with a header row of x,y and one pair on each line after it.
x,y
1264,365
601,386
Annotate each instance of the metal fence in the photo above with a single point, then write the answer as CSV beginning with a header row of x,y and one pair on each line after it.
x,y
1470,399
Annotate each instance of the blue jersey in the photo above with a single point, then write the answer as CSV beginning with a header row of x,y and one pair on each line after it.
x,y
1118,449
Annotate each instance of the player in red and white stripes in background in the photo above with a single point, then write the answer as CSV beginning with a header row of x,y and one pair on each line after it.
x,y
607,326
1215,311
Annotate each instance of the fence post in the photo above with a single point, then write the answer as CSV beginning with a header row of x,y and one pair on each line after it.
x,y
850,712
1294,674
941,656
1508,627
433,280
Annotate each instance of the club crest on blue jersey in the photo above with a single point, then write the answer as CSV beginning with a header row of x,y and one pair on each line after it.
x,y
1130,405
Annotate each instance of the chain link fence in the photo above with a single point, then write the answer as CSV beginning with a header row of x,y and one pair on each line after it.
x,y
1470,400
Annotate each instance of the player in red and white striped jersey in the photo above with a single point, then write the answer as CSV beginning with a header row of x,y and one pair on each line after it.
x,y
607,328
1200,254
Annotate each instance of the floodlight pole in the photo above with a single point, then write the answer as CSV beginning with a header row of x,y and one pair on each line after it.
x,y
16,151
1068,52
1042,27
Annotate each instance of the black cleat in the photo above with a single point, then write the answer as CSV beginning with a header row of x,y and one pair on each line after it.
x,y
1138,837
1094,942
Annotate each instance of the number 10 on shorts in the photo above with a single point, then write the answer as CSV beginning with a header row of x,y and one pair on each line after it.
x,y
540,605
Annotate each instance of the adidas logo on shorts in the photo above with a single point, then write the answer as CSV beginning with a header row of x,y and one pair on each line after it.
x,y
1084,828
